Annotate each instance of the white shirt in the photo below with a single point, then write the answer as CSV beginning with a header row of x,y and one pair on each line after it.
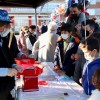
x,y
85,66
28,44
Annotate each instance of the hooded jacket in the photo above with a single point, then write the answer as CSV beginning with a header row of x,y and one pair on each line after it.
x,y
87,76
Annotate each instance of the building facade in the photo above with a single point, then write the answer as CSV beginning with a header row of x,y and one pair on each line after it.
x,y
94,9
26,16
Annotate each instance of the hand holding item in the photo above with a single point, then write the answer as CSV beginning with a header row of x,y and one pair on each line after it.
x,y
18,68
12,72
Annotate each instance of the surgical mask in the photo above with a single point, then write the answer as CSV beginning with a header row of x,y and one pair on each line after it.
x,y
26,31
88,57
64,36
5,32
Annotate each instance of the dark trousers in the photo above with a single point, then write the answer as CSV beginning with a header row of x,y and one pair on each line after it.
x,y
6,96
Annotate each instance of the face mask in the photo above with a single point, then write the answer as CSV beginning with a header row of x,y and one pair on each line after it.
x,y
26,31
34,33
5,32
83,33
88,57
64,36
74,16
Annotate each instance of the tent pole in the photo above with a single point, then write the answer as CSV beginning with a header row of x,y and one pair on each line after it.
x,y
36,20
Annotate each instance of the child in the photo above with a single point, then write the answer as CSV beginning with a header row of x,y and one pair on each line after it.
x,y
63,64
91,52
96,82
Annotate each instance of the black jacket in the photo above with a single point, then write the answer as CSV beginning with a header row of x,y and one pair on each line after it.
x,y
67,63
6,60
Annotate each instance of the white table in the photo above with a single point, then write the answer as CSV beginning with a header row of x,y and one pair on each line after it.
x,y
55,89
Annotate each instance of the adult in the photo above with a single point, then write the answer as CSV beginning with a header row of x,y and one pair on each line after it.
x,y
44,28
79,56
77,16
45,45
8,51
30,38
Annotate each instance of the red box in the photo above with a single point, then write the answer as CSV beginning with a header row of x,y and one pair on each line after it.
x,y
30,83
30,74
30,78
27,61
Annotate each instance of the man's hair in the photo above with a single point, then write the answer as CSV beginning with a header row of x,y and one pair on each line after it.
x,y
96,35
92,43
96,79
66,27
89,22
32,27
79,6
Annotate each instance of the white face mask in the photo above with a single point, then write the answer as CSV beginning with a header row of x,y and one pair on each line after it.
x,y
65,36
34,33
5,32
88,57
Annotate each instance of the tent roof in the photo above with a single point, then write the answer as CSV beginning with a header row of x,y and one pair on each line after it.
x,y
23,3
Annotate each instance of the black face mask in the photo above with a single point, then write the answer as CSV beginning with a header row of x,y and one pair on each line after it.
x,y
83,33
74,16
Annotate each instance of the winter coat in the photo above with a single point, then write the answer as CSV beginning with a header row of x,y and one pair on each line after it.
x,y
44,47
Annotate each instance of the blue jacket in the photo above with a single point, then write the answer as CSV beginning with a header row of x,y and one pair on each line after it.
x,y
87,77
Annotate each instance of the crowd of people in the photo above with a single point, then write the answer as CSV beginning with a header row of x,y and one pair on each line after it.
x,y
74,50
